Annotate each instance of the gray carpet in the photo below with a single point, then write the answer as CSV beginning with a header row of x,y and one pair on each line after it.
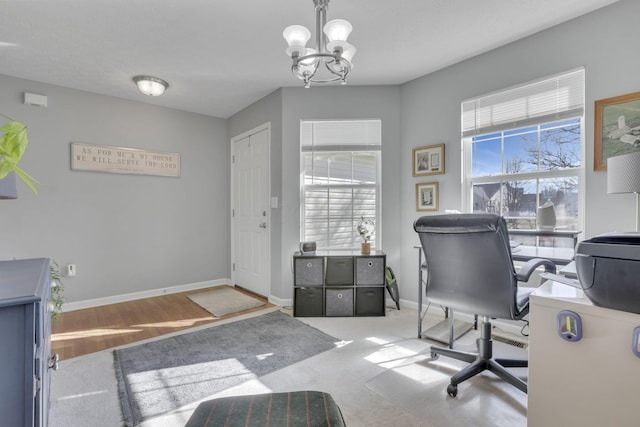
x,y
163,375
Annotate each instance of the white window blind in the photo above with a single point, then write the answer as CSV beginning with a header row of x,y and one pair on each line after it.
x,y
542,101
340,180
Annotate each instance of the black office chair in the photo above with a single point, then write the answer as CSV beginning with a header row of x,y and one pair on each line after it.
x,y
469,269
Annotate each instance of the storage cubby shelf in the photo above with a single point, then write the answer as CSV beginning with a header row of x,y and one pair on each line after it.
x,y
339,283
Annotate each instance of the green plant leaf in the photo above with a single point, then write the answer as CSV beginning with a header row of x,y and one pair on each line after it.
x,y
28,179
14,141
13,144
57,289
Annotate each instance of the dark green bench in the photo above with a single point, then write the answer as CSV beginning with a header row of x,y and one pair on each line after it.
x,y
294,409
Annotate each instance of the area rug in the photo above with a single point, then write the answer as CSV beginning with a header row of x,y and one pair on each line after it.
x,y
225,300
163,375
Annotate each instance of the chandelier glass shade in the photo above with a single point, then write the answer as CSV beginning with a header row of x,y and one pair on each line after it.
x,y
331,60
150,86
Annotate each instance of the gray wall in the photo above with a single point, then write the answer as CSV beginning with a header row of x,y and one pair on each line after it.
x,y
126,233
602,42
340,102
267,110
134,233
285,108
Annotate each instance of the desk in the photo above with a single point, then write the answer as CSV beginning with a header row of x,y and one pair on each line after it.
x,y
560,256
573,234
590,382
569,270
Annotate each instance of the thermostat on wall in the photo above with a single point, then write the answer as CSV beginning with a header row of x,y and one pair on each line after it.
x,y
35,99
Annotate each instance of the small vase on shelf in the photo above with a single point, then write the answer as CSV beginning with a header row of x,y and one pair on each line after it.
x,y
366,248
366,228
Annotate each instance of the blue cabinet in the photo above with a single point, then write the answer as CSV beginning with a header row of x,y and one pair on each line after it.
x,y
25,334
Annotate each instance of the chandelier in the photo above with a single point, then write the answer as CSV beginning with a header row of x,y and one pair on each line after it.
x,y
331,60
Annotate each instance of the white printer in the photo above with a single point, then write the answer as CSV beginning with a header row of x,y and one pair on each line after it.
x,y
608,268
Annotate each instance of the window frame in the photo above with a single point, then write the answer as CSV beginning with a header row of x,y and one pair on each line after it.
x,y
468,181
371,149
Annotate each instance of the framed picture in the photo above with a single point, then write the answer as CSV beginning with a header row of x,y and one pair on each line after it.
x,y
428,160
617,128
427,196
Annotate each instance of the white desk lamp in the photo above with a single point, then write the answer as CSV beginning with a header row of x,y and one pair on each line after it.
x,y
623,176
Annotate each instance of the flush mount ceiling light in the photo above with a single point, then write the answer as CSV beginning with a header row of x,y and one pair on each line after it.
x,y
331,60
151,86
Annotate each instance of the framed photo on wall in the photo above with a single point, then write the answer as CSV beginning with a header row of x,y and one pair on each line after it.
x,y
428,160
427,196
617,128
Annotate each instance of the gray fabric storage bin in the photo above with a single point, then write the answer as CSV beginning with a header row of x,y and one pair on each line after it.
x,y
308,271
339,271
370,270
370,301
308,302
338,302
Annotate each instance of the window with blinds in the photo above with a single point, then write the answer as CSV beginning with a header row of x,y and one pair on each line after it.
x,y
523,148
340,163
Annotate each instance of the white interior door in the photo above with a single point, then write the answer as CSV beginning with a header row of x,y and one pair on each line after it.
x,y
251,211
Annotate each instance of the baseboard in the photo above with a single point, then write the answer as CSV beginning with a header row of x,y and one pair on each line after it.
x,y
96,302
403,303
288,302
281,302
512,327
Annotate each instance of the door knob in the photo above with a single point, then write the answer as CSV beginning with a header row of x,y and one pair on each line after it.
x,y
263,225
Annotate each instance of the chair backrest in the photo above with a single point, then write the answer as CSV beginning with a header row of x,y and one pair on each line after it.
x,y
469,265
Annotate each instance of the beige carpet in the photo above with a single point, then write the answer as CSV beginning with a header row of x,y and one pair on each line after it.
x,y
225,300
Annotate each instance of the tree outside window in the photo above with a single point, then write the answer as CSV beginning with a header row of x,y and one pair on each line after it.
x,y
515,171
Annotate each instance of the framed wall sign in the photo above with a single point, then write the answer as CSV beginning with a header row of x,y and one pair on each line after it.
x,y
428,160
617,128
427,196
104,158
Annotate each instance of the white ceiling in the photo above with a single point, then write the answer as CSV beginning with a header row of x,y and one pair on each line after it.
x,y
221,56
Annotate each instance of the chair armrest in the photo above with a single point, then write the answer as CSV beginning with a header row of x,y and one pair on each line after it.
x,y
524,273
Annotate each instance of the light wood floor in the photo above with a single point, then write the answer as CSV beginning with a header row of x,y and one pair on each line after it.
x,y
93,329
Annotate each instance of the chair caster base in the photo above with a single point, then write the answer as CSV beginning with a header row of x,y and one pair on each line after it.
x,y
452,390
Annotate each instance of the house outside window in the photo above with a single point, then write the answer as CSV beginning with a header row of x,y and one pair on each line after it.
x,y
340,181
523,148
